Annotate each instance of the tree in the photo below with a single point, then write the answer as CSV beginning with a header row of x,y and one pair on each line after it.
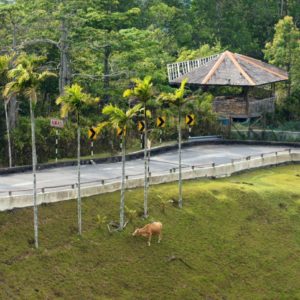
x,y
11,16
143,92
284,50
26,79
177,99
4,66
118,118
75,100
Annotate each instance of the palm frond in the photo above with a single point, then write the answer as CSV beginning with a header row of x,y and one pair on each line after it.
x,y
142,90
176,98
45,74
179,93
11,89
31,94
65,109
74,99
4,63
101,126
116,116
133,111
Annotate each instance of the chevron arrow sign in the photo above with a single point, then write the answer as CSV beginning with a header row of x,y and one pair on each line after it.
x,y
141,126
92,133
121,131
161,122
190,119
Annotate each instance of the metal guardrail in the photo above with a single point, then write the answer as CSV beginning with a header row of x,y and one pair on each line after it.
x,y
205,138
140,175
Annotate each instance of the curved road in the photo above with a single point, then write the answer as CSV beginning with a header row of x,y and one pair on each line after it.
x,y
161,163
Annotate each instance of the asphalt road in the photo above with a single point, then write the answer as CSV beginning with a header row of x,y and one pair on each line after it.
x,y
161,163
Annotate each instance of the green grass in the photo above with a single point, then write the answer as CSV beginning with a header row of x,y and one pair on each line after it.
x,y
239,236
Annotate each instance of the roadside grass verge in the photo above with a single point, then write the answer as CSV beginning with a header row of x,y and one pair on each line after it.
x,y
235,238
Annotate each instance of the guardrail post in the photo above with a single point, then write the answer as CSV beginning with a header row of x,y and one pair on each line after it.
x,y
10,193
126,177
43,190
193,167
102,181
170,171
290,154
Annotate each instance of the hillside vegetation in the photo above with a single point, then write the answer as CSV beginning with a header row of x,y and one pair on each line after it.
x,y
235,238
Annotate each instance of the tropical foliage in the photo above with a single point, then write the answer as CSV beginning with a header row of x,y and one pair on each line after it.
x,y
122,120
75,100
101,45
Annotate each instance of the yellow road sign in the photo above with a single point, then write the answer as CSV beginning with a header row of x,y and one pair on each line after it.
x,y
161,122
121,131
141,126
190,119
92,133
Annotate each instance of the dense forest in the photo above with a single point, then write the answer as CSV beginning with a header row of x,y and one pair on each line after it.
x,y
102,44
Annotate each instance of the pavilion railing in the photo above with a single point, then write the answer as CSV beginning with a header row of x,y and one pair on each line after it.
x,y
263,105
178,69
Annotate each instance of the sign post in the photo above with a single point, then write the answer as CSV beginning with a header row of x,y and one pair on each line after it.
x,y
120,133
92,136
56,144
190,121
161,123
56,123
141,129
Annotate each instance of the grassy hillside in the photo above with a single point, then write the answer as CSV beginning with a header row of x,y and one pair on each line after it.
x,y
235,238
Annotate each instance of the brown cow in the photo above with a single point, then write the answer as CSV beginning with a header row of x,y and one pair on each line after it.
x,y
150,229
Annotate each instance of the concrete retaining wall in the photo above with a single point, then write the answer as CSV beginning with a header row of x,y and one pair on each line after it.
x,y
19,201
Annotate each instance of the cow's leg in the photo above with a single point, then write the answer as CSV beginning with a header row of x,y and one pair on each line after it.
x,y
159,237
149,239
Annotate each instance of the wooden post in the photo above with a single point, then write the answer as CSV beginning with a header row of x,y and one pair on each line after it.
x,y
246,99
230,123
273,89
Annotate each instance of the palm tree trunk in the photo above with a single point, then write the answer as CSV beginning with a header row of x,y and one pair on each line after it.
x,y
122,201
8,134
34,162
78,183
145,166
179,159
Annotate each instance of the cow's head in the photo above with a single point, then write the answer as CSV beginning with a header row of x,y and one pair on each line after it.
x,y
136,232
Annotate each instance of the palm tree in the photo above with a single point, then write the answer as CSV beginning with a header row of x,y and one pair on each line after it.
x,y
177,99
118,118
75,100
4,66
142,92
26,79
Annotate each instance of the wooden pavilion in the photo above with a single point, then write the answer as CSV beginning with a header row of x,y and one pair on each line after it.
x,y
232,69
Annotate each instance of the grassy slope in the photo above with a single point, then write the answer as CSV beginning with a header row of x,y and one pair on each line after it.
x,y
240,235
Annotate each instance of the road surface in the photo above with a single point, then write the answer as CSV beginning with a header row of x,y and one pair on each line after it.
x,y
59,178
